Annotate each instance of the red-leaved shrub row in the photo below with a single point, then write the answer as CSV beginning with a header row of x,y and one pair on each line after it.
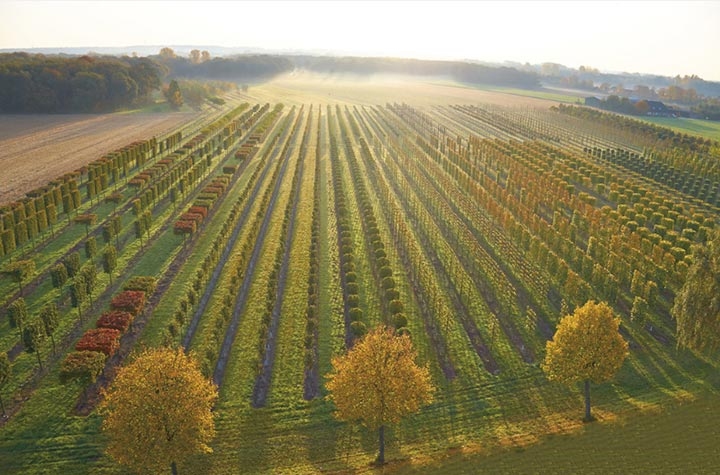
x,y
103,340
116,320
184,227
97,344
191,220
131,301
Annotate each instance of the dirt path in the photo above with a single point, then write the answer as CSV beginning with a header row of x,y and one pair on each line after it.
x,y
35,149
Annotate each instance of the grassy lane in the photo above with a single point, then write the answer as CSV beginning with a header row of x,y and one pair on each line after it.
x,y
331,331
289,364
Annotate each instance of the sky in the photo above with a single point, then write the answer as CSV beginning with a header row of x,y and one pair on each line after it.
x,y
659,37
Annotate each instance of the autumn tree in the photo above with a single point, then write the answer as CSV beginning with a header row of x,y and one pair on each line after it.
x,y
5,373
20,271
378,382
195,56
33,335
587,346
18,314
110,260
90,247
51,320
697,305
167,53
173,95
158,411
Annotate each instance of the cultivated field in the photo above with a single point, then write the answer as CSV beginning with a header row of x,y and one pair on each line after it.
x,y
35,149
310,208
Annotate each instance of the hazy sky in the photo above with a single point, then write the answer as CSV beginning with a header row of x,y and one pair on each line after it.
x,y
663,37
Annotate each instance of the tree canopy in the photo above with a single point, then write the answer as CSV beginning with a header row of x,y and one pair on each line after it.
x,y
697,305
587,346
38,83
174,95
378,382
158,411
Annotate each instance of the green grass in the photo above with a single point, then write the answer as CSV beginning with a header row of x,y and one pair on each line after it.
x,y
537,94
672,441
704,128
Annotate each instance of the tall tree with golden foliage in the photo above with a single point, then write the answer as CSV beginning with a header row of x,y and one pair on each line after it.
x,y
174,95
697,305
158,411
587,346
378,382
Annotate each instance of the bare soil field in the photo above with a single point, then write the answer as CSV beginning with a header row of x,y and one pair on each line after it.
x,y
301,87
35,149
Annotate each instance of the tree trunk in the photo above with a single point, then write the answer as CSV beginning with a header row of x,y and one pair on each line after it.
x,y
588,416
2,406
381,454
173,468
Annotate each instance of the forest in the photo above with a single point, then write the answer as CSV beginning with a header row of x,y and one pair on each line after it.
x,y
57,84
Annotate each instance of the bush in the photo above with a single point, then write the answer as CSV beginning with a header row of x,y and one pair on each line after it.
x,y
142,283
391,294
104,340
353,300
399,320
85,365
358,329
385,271
116,319
131,301
355,314
396,306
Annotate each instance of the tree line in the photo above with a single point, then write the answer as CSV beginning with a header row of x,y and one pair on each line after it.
x,y
55,84
37,83
460,71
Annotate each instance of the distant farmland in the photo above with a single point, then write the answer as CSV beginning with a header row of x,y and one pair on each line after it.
x,y
304,205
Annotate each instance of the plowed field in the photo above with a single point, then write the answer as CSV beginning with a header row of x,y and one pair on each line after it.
x,y
35,149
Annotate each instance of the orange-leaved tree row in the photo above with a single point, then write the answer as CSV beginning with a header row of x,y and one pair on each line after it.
x,y
587,346
158,411
378,382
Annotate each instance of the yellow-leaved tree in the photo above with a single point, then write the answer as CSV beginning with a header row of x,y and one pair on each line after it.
x,y
378,382
587,346
158,411
697,305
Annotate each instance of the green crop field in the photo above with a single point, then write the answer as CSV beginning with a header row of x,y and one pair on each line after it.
x,y
703,128
271,232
